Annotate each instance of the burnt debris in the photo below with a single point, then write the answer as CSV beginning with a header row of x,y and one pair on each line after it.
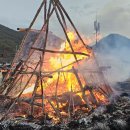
x,y
114,116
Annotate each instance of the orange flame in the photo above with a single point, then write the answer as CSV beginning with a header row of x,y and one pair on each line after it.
x,y
67,79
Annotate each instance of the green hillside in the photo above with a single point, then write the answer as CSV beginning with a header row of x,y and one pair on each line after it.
x,y
9,40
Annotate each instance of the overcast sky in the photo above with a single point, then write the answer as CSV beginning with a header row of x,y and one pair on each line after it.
x,y
114,15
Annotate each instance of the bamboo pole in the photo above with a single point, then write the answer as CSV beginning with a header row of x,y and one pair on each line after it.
x,y
27,33
63,67
11,85
53,107
28,100
55,4
7,83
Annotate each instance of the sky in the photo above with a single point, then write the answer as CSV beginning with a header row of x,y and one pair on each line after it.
x,y
114,15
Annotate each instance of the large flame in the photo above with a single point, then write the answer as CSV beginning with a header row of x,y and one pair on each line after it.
x,y
67,79
59,60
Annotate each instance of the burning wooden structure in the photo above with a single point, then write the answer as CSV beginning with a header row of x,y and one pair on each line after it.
x,y
43,80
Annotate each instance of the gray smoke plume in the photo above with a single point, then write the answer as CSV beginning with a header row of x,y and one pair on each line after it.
x,y
113,51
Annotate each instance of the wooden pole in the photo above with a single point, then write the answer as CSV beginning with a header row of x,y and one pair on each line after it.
x,y
31,52
33,94
60,6
45,11
58,17
30,26
42,92
61,52
62,66
42,58
57,83
63,18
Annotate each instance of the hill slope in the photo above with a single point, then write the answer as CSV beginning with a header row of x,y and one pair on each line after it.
x,y
9,39
112,42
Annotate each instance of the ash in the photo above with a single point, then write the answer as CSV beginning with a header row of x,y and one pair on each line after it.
x,y
114,116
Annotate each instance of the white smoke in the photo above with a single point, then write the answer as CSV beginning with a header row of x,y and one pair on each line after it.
x,y
118,58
